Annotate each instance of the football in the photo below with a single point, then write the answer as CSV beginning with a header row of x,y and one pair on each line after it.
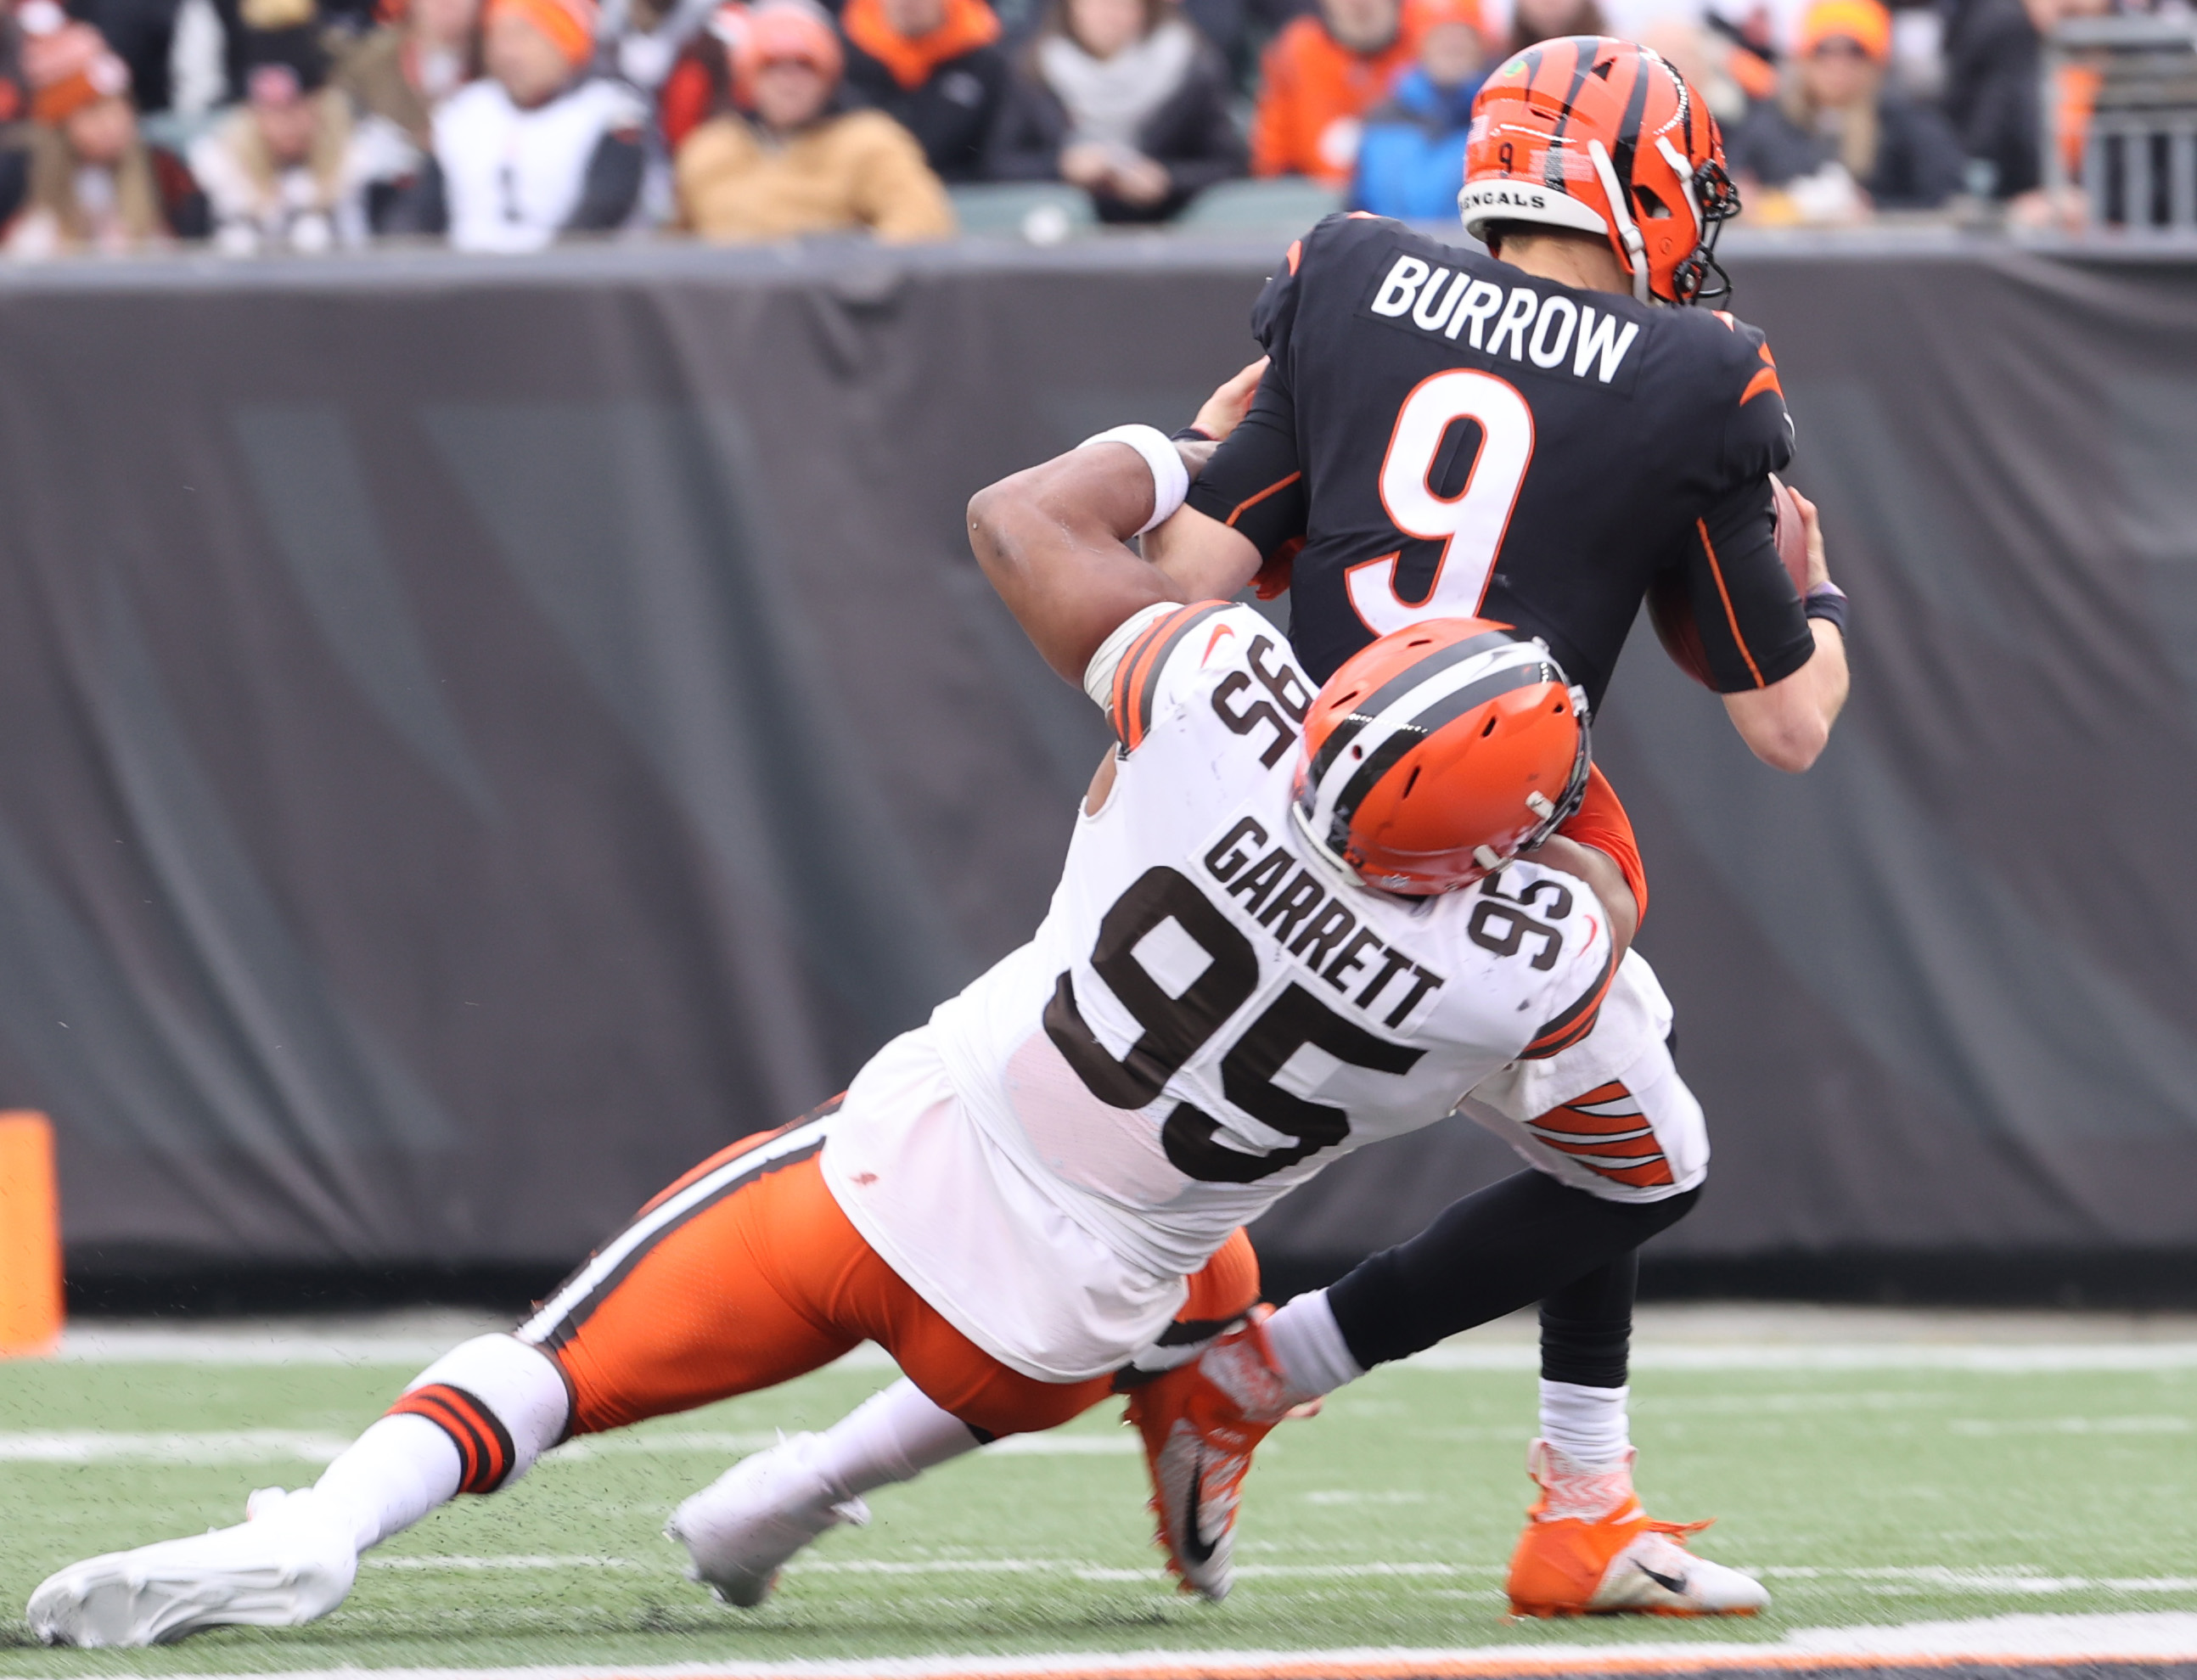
x,y
1671,613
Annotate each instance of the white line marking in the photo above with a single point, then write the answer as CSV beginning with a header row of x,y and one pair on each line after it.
x,y
254,1446
1123,1445
234,1446
2000,1359
2072,1426
2018,1579
2169,1635
475,1564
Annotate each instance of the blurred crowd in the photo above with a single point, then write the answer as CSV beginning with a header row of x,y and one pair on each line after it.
x,y
306,125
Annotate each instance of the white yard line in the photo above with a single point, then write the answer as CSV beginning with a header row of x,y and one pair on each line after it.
x,y
2148,1637
256,1446
2017,1580
1995,1359
227,1446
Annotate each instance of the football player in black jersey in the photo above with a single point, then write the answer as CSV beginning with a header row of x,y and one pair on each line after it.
x,y
1535,436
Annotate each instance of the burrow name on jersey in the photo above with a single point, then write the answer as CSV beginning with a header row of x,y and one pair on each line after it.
x,y
1289,901
1548,330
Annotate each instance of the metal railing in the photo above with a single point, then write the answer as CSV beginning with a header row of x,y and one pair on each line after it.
x,y
2119,103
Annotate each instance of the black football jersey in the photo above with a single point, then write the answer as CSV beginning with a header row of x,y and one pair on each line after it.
x,y
1449,436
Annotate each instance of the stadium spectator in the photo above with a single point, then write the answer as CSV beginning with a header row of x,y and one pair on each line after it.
x,y
1729,75
934,67
1532,21
538,147
1993,63
403,71
1320,77
1124,99
289,170
1839,139
1410,161
699,83
94,182
795,165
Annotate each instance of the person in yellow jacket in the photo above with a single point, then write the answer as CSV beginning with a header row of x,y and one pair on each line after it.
x,y
786,163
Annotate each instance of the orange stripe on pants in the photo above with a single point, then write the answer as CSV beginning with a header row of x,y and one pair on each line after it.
x,y
773,1281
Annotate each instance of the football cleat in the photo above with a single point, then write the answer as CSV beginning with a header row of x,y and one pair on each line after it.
x,y
1589,1550
289,1562
1200,1423
740,1530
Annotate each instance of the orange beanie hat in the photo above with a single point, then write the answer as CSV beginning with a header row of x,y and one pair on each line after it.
x,y
1864,22
569,24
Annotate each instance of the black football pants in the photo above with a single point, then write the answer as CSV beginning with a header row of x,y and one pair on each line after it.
x,y
1522,1239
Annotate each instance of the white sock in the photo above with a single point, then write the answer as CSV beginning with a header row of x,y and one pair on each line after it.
x,y
1308,1346
389,1478
895,1435
1588,1426
403,1467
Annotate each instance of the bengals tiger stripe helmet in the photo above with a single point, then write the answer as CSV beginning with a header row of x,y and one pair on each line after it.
x,y
1603,136
1435,755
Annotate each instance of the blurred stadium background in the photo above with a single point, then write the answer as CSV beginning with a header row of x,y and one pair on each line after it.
x,y
487,726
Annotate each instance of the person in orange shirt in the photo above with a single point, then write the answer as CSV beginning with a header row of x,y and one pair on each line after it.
x,y
1323,74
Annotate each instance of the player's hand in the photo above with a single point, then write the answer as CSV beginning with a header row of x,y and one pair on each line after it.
x,y
1819,571
1231,402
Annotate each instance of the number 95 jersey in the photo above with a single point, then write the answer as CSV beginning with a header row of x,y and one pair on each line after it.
x,y
1209,1014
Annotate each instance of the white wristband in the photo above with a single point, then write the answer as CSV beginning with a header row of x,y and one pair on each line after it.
x,y
1170,477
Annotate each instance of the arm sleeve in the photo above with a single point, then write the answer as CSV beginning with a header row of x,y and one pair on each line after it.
x,y
1601,822
1753,630
1255,483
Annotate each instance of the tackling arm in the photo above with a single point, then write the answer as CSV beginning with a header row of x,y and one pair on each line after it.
x,y
1053,540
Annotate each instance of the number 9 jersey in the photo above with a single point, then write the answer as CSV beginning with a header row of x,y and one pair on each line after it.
x,y
1450,437
1209,1014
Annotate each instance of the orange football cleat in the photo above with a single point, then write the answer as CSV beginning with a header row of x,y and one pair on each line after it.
x,y
1589,1550
1200,1422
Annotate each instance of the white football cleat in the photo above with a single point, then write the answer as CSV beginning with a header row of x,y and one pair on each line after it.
x,y
740,1530
289,1562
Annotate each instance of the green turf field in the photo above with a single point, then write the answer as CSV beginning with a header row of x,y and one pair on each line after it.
x,y
1884,1495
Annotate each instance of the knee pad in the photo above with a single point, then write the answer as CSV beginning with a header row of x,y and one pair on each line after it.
x,y
502,1403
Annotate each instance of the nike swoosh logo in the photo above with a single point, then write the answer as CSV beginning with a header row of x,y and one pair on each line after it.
x,y
1195,1546
1671,1584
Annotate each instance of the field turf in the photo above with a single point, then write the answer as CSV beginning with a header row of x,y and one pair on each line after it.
x,y
1866,1494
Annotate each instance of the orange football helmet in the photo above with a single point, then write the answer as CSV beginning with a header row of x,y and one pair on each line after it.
x,y
1435,755
1601,135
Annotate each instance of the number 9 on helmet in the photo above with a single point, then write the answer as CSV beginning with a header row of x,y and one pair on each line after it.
x,y
1603,137
1435,755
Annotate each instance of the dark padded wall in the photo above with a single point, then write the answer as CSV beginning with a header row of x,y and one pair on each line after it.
x,y
481,737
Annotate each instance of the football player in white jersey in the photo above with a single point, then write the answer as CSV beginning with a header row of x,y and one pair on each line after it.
x,y
1615,1143
1259,958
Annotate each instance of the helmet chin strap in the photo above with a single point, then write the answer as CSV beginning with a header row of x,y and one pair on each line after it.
x,y
1636,248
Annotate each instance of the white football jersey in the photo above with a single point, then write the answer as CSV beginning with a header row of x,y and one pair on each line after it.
x,y
1209,1014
